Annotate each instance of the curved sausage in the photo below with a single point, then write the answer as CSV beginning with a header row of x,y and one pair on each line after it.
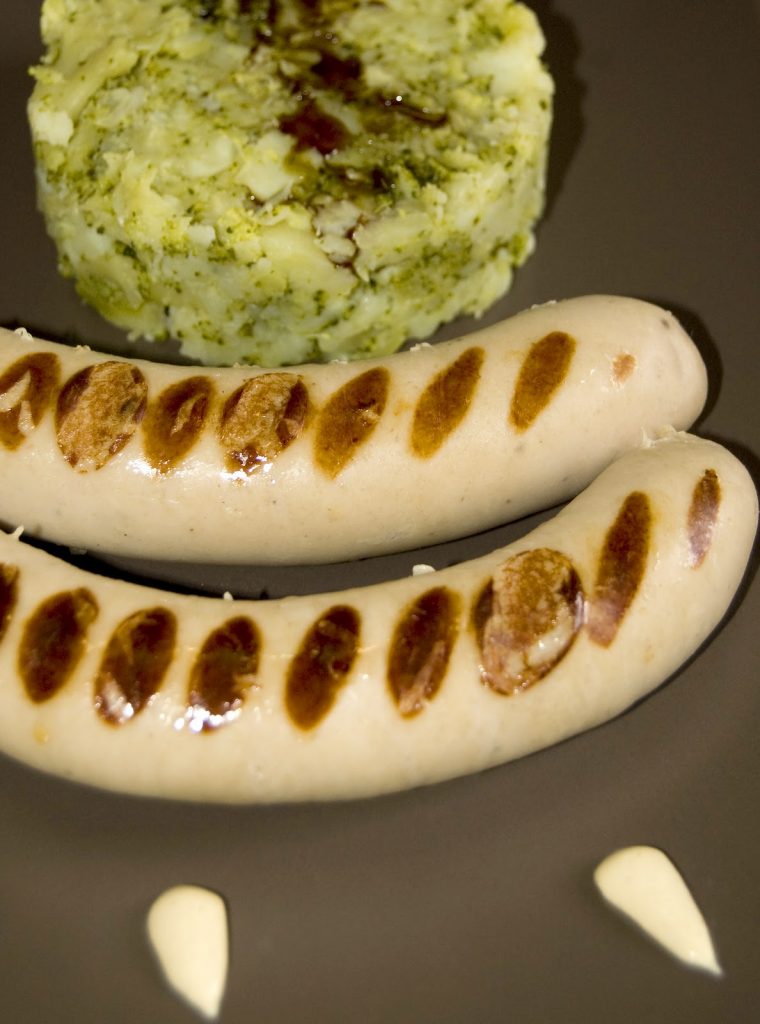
x,y
386,687
324,463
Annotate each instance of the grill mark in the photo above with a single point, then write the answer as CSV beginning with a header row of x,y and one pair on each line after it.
x,y
703,515
98,412
526,619
223,674
621,568
53,642
544,368
444,403
8,595
26,391
134,664
623,366
421,648
321,666
174,421
261,419
348,419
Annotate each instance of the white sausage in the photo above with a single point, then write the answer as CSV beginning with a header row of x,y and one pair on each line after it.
x,y
323,485
635,574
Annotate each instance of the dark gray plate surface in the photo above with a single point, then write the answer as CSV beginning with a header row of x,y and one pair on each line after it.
x,y
471,901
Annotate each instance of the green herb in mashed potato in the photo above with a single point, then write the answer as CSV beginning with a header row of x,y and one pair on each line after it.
x,y
277,181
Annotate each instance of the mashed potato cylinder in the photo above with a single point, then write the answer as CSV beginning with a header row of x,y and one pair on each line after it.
x,y
290,181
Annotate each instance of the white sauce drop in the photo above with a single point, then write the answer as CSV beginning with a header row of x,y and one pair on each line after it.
x,y
646,886
187,928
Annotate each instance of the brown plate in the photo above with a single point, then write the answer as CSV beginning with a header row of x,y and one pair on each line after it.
x,y
471,901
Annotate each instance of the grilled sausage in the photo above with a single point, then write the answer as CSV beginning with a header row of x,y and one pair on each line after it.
x,y
385,687
324,463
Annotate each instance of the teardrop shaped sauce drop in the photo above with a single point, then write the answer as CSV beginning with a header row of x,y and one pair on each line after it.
x,y
645,885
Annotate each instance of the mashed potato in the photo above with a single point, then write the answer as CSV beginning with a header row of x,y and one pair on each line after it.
x,y
278,181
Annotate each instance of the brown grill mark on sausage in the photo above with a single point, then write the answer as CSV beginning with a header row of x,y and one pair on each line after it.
x,y
348,419
622,564
53,641
543,370
224,672
8,595
421,647
444,402
623,366
26,390
98,412
703,515
321,666
134,664
174,421
526,619
260,420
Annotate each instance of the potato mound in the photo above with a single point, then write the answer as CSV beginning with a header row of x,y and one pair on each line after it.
x,y
282,182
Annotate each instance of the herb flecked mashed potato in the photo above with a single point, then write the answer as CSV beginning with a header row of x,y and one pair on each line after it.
x,y
282,181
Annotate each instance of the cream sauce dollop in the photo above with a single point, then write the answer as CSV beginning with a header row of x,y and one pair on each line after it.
x,y
645,885
187,928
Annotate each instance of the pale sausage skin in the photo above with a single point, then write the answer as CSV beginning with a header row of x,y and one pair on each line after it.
x,y
386,687
326,463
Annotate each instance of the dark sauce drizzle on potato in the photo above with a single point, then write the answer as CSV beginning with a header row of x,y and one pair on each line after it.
x,y
336,71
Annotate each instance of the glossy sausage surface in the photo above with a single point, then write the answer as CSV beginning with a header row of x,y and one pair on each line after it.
x,y
386,687
325,463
